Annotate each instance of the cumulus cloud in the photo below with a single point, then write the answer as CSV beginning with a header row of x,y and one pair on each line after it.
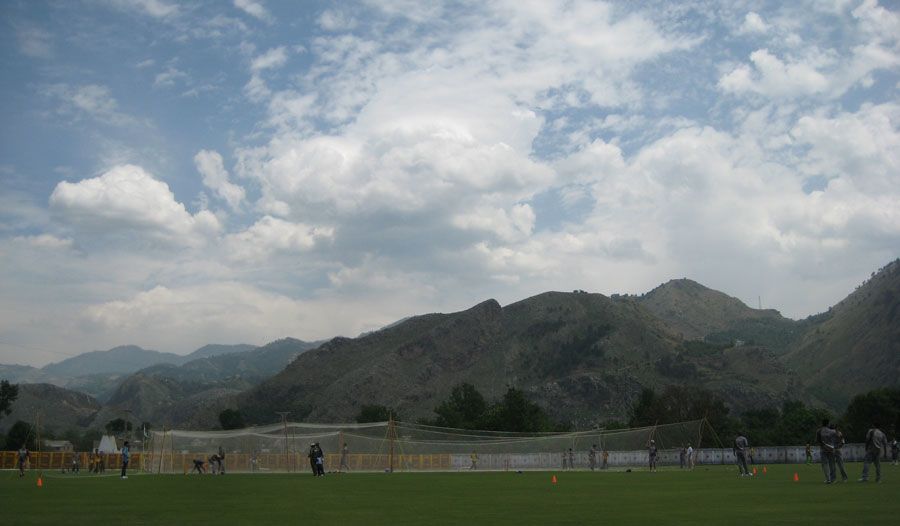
x,y
45,241
271,59
153,8
254,9
169,77
128,199
197,314
35,42
773,77
92,100
210,165
271,235
332,20
753,23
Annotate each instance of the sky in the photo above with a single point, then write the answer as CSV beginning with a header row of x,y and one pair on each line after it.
x,y
238,171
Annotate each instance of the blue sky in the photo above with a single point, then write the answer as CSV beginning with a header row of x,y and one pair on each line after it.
x,y
238,171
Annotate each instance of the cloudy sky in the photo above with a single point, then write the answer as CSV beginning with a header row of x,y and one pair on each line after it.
x,y
175,174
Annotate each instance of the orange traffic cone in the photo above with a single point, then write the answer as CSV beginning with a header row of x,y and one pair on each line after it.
x,y
553,479
765,470
40,482
754,471
796,477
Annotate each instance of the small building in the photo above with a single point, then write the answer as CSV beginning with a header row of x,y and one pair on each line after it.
x,y
58,445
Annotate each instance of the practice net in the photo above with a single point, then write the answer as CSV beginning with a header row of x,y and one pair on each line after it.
x,y
402,446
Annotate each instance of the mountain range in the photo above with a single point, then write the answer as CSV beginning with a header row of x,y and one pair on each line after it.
x,y
583,357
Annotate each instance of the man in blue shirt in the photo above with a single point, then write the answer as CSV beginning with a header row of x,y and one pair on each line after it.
x,y
126,456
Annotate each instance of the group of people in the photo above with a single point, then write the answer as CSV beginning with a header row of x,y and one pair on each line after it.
x,y
568,458
317,459
831,443
216,463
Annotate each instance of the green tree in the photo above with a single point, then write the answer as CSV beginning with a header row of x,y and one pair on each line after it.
x,y
798,423
20,433
8,394
231,419
118,426
880,405
681,404
514,412
464,409
375,413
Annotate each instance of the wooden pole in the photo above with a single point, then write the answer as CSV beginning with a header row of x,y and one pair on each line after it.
x,y
340,450
391,438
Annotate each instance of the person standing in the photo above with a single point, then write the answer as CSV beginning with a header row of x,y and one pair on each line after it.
x,y
808,453
564,460
690,456
220,458
474,458
605,464
682,457
741,445
838,451
320,461
592,457
345,452
22,459
126,457
652,453
571,459
876,445
895,450
313,454
825,436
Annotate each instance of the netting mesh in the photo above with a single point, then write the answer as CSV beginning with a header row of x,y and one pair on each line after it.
x,y
401,446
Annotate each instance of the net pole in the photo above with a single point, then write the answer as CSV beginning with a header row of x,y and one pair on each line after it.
x,y
340,450
391,435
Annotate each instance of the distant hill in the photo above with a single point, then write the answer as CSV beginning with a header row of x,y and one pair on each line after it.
x,y
215,350
178,394
60,409
27,374
700,313
124,359
580,356
856,346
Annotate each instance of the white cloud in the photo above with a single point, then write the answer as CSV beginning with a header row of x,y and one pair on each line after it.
x,y
153,8
225,311
93,100
254,9
46,241
169,77
271,235
35,42
128,199
215,177
772,77
333,20
753,23
271,59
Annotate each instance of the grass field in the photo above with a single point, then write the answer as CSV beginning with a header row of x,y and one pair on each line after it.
x,y
714,495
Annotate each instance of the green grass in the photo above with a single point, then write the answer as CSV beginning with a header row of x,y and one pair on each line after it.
x,y
714,495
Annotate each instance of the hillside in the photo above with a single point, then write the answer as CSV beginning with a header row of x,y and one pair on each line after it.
x,y
857,346
580,356
124,359
698,312
171,394
60,409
